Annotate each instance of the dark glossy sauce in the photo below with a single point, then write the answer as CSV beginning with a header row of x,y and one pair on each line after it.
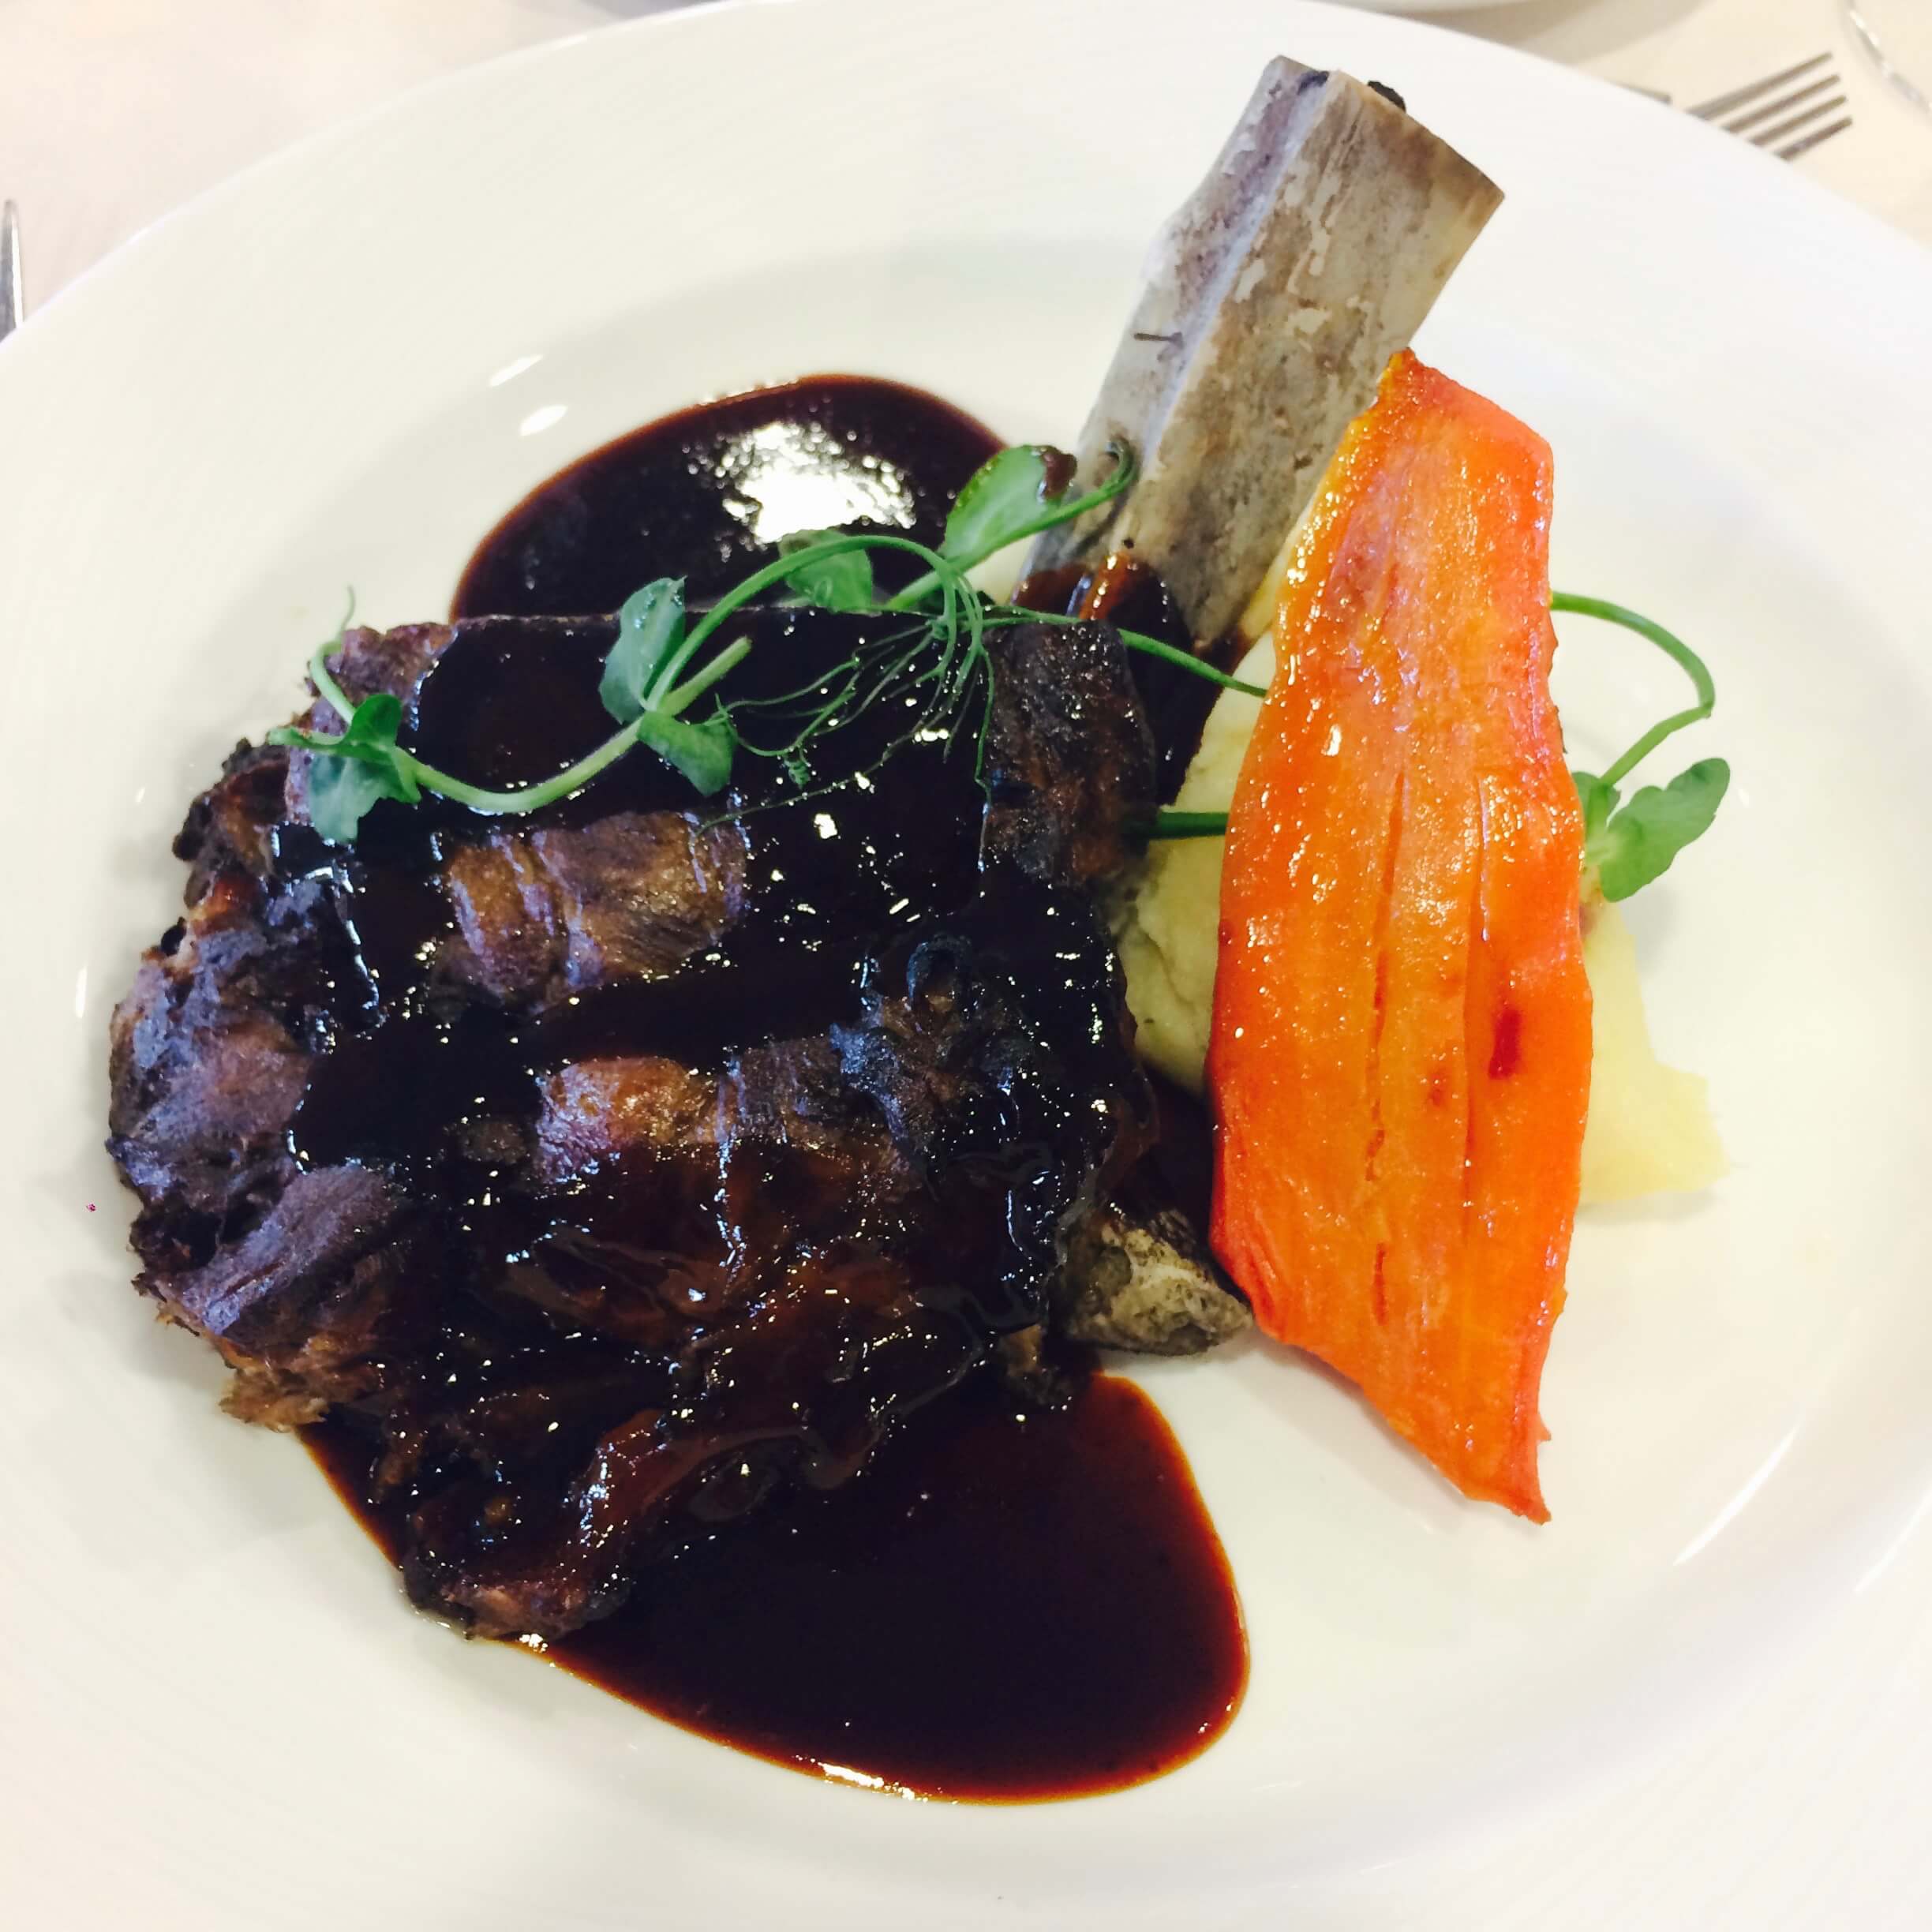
x,y
1002,1605
706,494
999,1604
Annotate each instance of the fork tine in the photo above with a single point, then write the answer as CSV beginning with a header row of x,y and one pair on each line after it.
x,y
1805,143
1739,123
12,289
1723,103
1771,135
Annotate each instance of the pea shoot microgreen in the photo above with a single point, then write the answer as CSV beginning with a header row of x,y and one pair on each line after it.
x,y
839,580
651,625
1627,845
660,666
366,764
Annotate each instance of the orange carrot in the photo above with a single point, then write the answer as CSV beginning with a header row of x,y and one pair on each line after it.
x,y
1400,1056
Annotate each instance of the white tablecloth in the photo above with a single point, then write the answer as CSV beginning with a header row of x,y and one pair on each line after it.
x,y
113,111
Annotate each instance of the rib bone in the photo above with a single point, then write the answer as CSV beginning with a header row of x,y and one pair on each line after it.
x,y
1273,299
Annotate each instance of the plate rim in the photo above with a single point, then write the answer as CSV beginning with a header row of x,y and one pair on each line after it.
x,y
295,157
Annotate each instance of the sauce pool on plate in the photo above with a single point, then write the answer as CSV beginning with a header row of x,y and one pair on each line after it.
x,y
1005,1602
1002,1605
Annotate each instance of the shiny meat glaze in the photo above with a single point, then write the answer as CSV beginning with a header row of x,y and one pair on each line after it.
x,y
734,1141
603,1175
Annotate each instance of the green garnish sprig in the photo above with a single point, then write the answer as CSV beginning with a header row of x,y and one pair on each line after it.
x,y
1625,845
660,667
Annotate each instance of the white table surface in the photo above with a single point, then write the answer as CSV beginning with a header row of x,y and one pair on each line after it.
x,y
113,111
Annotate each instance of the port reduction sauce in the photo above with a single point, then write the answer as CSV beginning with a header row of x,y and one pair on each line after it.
x,y
1006,1602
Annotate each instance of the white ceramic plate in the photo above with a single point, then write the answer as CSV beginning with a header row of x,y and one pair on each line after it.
x,y
1700,1695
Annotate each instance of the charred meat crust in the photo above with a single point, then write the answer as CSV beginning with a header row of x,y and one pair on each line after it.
x,y
1071,767
210,1051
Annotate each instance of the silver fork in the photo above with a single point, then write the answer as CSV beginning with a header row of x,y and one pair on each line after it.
x,y
1792,110
12,289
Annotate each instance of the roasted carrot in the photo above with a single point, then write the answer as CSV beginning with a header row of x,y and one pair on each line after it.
x,y
1400,1062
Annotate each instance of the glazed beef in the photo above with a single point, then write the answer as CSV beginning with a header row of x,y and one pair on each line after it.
x,y
542,916
626,1160
312,1303
208,1057
1069,767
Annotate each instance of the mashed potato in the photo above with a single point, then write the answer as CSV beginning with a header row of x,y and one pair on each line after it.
x,y
1169,929
1650,1130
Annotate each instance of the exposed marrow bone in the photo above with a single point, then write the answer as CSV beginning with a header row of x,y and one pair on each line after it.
x,y
1145,1282
1273,300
